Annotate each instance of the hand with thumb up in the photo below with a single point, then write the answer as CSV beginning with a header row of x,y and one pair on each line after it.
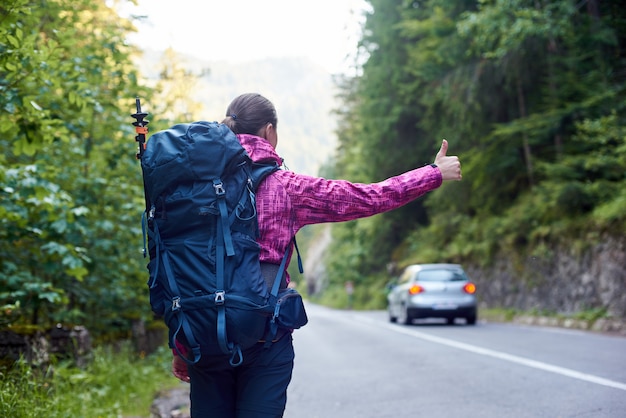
x,y
449,165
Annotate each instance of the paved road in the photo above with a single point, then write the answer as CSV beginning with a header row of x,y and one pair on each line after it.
x,y
356,364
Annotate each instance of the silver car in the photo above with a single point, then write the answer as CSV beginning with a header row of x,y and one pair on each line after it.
x,y
432,291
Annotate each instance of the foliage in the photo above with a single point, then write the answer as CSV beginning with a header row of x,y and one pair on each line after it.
x,y
368,295
115,383
529,94
173,99
70,189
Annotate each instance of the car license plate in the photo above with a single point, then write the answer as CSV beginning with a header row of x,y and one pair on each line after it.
x,y
444,306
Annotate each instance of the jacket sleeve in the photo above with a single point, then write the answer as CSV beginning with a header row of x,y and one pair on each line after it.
x,y
318,200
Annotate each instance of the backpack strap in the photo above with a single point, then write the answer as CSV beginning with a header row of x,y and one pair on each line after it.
x,y
176,308
279,275
221,203
147,233
221,251
224,248
281,269
260,170
273,326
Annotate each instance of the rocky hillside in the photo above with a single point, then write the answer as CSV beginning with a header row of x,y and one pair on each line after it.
x,y
563,281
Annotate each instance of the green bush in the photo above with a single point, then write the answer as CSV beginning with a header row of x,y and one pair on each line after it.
x,y
117,382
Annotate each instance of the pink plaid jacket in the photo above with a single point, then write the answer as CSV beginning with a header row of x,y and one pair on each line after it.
x,y
287,201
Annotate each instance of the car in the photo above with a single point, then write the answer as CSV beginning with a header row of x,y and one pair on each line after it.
x,y
432,291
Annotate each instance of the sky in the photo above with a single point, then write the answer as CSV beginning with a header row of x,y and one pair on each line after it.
x,y
326,31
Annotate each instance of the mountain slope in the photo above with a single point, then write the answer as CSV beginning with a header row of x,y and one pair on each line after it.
x,y
303,93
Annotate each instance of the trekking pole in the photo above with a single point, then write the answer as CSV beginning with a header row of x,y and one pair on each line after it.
x,y
141,128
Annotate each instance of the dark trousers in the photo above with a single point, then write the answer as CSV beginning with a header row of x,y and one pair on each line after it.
x,y
255,389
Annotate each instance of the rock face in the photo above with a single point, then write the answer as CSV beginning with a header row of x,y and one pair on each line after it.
x,y
34,347
74,343
172,404
38,346
69,343
558,281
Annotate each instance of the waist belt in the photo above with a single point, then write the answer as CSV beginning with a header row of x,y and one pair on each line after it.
x,y
269,272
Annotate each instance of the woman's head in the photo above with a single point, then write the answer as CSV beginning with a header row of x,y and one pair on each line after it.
x,y
251,114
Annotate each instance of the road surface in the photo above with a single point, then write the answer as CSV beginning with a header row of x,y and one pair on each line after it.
x,y
352,364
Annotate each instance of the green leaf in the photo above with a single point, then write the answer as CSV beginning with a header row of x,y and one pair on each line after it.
x,y
52,297
13,41
35,105
77,272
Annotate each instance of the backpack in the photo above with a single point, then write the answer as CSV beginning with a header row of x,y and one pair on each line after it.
x,y
201,225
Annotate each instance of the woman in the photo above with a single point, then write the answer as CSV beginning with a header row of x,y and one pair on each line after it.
x,y
286,202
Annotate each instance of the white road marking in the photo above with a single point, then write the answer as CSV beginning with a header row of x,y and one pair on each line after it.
x,y
500,355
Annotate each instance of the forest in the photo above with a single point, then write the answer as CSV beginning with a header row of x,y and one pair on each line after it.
x,y
530,95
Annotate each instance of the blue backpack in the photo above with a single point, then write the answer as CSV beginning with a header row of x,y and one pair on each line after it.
x,y
201,225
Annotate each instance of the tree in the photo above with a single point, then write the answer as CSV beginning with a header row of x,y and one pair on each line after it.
x,y
71,191
527,92
378,138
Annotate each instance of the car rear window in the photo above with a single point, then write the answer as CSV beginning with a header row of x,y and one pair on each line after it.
x,y
440,276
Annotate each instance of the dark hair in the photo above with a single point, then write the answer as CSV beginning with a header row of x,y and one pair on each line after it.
x,y
250,112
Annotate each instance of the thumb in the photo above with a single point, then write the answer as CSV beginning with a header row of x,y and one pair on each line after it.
x,y
443,150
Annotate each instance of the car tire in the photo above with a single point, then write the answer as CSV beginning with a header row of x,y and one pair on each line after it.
x,y
392,319
471,320
404,318
450,321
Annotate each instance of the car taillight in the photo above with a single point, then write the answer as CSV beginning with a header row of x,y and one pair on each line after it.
x,y
470,288
415,289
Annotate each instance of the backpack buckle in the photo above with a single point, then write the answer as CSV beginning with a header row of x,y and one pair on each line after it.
x,y
151,213
176,303
219,297
219,187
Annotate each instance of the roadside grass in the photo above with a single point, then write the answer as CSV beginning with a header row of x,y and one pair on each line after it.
x,y
364,298
507,315
498,314
115,383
